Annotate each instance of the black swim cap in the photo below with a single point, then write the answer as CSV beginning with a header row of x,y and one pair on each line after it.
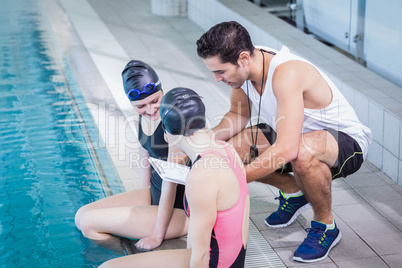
x,y
182,111
140,80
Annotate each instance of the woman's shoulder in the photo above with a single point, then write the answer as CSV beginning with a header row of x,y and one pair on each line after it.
x,y
201,179
206,166
209,167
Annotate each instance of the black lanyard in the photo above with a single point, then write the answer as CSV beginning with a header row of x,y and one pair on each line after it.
x,y
253,147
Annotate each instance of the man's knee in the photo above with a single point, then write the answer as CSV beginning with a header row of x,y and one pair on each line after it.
x,y
303,162
235,142
241,140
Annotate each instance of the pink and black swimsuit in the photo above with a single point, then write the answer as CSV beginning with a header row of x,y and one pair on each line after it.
x,y
226,248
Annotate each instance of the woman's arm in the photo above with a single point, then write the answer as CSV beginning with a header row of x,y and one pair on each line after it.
x,y
165,212
145,168
165,209
202,193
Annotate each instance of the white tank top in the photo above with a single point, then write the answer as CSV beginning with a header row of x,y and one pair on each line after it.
x,y
339,115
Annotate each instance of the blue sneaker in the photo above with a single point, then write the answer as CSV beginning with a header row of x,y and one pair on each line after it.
x,y
289,209
318,243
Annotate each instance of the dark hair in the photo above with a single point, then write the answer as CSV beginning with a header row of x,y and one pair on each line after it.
x,y
182,111
225,40
136,75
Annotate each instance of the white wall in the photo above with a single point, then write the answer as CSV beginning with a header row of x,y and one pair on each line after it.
x,y
330,20
383,38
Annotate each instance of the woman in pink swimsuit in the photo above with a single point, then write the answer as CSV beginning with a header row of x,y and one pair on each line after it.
x,y
216,192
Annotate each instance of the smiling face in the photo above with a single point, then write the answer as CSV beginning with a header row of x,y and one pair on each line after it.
x,y
232,75
149,107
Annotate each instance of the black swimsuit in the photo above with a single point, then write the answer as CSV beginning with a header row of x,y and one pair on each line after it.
x,y
158,148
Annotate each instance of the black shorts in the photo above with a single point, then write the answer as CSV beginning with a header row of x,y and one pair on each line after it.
x,y
268,132
350,156
270,135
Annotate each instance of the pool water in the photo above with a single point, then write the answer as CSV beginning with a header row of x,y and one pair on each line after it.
x,y
45,174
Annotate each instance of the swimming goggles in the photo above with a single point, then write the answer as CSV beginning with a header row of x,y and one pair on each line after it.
x,y
134,94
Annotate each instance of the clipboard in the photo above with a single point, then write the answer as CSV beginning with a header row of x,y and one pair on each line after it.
x,y
170,171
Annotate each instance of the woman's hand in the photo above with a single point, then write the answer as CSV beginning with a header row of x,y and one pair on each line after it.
x,y
148,243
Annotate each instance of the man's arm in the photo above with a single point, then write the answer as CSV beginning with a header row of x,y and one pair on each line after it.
x,y
288,84
236,119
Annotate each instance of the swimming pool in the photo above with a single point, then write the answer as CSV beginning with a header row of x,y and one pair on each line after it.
x,y
47,167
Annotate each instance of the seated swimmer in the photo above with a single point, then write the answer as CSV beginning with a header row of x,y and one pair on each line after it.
x,y
155,211
216,192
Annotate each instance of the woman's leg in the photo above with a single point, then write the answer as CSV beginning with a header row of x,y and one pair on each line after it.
x,y
87,215
132,222
178,258
141,197
128,215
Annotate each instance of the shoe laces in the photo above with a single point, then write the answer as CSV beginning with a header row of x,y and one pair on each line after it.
x,y
314,237
284,204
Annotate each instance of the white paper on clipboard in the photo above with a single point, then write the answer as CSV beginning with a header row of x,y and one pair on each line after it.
x,y
170,171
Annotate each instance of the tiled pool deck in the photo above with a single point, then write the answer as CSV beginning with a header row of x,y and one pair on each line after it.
x,y
367,206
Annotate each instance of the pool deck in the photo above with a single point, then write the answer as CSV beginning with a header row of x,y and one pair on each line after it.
x,y
367,205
